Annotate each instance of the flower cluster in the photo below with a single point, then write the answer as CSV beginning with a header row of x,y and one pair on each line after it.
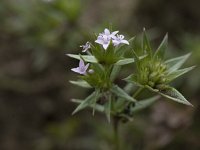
x,y
106,37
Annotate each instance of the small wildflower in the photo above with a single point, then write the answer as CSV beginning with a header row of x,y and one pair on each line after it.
x,y
119,39
86,47
105,38
108,33
82,68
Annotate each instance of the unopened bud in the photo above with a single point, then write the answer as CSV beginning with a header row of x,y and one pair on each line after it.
x,y
91,71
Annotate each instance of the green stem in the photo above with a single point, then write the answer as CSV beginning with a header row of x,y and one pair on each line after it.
x,y
116,136
138,92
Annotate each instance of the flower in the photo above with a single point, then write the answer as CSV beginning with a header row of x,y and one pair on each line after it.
x,y
108,34
105,38
119,39
86,47
82,68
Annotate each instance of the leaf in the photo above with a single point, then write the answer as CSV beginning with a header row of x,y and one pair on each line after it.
x,y
173,94
151,89
137,60
81,83
144,104
146,45
121,93
86,58
129,87
133,79
162,47
177,73
115,72
97,107
175,63
126,61
87,102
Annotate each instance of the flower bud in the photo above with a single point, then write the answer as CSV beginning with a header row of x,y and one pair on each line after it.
x,y
151,84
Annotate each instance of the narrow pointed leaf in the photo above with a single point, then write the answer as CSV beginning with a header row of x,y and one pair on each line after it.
x,y
133,79
175,63
177,73
142,104
121,93
115,71
87,102
162,47
86,58
151,89
126,61
173,94
137,59
97,107
129,87
146,44
81,83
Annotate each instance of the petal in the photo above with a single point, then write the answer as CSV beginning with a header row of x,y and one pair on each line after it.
x,y
115,42
81,63
99,42
76,70
113,37
125,42
105,46
115,32
106,31
84,50
86,66
121,37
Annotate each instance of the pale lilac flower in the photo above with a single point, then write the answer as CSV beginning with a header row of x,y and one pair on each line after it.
x,y
82,68
105,38
119,39
108,33
86,47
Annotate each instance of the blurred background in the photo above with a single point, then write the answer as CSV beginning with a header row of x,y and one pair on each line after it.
x,y
35,106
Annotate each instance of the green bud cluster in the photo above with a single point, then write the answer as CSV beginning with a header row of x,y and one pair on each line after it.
x,y
153,73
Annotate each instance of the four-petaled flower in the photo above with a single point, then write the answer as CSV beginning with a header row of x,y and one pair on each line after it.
x,y
105,38
118,40
82,68
86,47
